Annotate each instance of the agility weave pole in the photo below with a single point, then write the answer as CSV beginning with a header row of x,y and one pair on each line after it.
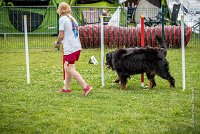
x,y
142,45
183,52
102,52
26,49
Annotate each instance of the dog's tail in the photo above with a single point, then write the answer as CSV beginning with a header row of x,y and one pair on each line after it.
x,y
161,42
163,49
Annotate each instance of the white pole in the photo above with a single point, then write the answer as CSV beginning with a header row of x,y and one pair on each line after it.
x,y
102,52
26,48
183,51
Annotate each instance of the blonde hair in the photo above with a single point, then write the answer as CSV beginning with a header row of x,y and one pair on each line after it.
x,y
64,8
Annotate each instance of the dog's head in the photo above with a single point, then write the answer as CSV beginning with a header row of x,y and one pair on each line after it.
x,y
113,58
109,60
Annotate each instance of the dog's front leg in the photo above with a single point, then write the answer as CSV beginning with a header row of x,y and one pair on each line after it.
x,y
123,86
152,82
123,79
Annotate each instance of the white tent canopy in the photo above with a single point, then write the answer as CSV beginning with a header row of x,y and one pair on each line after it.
x,y
145,8
191,9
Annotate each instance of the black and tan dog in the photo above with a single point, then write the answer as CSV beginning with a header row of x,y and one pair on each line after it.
x,y
131,61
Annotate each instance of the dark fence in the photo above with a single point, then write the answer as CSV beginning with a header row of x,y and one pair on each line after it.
x,y
43,27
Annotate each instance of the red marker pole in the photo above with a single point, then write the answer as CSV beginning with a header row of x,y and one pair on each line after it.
x,y
142,45
63,63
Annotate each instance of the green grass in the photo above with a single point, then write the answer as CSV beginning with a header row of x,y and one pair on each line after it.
x,y
38,108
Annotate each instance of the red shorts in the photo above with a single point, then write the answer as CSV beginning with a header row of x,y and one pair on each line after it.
x,y
71,58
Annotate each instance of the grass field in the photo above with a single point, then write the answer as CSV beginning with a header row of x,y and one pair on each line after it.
x,y
38,108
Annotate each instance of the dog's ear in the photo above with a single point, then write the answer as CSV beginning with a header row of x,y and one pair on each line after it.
x,y
109,60
108,56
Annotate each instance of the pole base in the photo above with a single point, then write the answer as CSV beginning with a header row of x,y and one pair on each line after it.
x,y
142,84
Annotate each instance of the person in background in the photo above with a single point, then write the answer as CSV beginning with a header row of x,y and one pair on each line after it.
x,y
69,38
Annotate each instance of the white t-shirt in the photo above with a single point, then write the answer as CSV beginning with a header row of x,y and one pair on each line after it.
x,y
71,41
